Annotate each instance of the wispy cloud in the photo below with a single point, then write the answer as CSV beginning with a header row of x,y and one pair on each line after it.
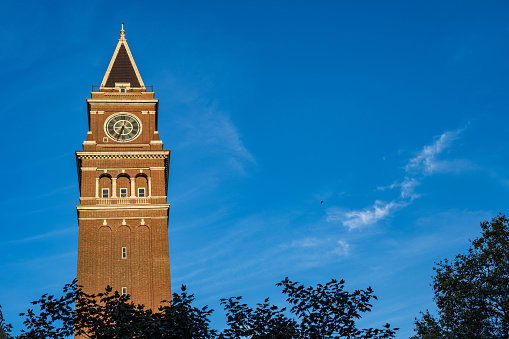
x,y
47,235
339,247
217,129
343,248
212,131
201,125
307,242
407,188
212,127
368,216
426,160
39,263
58,190
424,163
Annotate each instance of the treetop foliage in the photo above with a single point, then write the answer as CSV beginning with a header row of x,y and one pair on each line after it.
x,y
472,291
324,311
4,328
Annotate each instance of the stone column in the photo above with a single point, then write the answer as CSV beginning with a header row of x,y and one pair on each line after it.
x,y
133,184
149,188
97,188
114,187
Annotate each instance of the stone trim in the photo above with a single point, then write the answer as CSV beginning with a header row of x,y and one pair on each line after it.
x,y
127,144
128,218
94,198
118,99
162,207
124,168
82,155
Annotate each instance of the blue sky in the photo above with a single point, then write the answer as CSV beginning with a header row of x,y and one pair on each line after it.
x,y
393,113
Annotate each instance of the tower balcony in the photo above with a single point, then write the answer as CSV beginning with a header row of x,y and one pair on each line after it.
x,y
122,88
123,201
117,202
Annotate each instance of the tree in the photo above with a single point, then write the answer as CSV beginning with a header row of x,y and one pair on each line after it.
x,y
266,321
324,311
111,315
472,291
4,328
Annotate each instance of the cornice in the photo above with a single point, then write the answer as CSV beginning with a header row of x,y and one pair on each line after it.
x,y
114,100
127,218
161,207
82,155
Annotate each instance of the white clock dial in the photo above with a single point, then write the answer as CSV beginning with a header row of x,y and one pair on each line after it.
x,y
123,127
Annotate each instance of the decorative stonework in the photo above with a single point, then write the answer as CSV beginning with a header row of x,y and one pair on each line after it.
x,y
123,155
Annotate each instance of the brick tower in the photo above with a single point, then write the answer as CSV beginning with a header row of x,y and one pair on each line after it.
x,y
123,179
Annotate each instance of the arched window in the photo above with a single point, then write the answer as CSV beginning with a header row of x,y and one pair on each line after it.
x,y
123,186
105,186
141,186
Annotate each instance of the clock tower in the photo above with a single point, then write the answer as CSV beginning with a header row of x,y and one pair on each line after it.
x,y
123,180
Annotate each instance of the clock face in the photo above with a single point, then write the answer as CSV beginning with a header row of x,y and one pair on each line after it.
x,y
123,127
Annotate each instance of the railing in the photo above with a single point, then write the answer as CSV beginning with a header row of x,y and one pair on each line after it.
x,y
123,201
96,88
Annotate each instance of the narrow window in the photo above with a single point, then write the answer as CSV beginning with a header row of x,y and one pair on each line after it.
x,y
122,90
123,192
106,193
124,252
124,290
141,192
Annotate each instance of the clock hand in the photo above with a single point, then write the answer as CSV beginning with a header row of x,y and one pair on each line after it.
x,y
121,130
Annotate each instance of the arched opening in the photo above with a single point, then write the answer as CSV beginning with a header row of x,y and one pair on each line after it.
x,y
141,186
122,270
102,266
105,186
123,186
143,265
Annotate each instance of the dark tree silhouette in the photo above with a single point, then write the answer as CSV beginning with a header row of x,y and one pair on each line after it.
x,y
472,291
4,327
111,315
324,311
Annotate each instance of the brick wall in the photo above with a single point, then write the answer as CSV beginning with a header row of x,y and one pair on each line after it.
x,y
106,225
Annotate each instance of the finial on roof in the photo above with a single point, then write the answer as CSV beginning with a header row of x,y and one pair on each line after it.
x,y
122,32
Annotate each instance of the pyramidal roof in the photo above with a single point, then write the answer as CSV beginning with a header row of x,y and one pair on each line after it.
x,y
122,68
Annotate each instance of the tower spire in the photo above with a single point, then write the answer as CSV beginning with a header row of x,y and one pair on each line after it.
x,y
122,69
